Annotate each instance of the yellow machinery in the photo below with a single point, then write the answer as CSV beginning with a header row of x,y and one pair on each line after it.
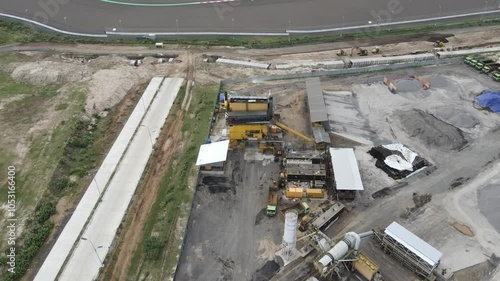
x,y
341,53
248,106
439,44
294,192
314,192
358,51
246,132
367,268
390,85
286,128
425,84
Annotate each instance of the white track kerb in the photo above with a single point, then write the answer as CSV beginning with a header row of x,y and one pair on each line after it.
x,y
285,33
85,261
71,232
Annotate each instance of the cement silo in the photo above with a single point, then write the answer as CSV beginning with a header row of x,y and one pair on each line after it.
x,y
290,233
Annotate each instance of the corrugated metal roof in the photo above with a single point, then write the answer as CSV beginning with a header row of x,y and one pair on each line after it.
x,y
315,99
212,153
243,63
418,246
320,135
345,169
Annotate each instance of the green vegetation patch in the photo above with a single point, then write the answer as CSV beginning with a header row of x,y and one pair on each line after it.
x,y
174,195
56,164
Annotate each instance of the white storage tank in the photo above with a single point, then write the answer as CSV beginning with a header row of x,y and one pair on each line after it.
x,y
290,233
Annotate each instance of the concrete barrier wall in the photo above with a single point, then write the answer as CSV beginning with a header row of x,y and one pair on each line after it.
x,y
243,63
391,60
334,64
448,54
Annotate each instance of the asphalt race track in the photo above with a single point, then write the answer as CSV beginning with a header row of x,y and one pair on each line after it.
x,y
97,16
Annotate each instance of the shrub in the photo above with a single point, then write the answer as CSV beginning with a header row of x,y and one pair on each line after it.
x,y
153,247
44,212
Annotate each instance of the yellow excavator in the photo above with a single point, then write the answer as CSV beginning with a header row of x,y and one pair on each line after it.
x,y
439,44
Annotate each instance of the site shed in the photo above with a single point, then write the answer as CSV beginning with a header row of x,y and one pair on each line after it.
x,y
294,192
212,156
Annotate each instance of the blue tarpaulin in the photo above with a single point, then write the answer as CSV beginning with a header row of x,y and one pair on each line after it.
x,y
489,99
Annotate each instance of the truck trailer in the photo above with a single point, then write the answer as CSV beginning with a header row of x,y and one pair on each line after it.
x,y
272,201
490,67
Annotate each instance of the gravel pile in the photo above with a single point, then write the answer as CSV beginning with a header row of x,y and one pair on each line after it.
x,y
430,130
456,117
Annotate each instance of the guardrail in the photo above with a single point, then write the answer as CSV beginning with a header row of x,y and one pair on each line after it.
x,y
287,32
390,24
52,28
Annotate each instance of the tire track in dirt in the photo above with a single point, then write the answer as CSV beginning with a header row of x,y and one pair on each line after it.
x,y
170,140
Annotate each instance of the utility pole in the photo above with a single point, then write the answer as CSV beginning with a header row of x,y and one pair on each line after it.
x,y
177,24
440,10
121,24
232,26
95,250
289,28
484,10
66,23
149,132
342,30
98,189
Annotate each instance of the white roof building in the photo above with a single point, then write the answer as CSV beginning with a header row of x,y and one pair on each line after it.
x,y
212,153
413,243
345,169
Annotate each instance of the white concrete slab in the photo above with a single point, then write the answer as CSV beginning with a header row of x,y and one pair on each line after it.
x,y
84,262
59,253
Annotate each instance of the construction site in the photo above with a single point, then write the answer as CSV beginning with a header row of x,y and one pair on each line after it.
x,y
319,162
365,176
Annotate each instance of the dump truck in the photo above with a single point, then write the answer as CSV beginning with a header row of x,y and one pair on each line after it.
x,y
301,207
468,60
473,61
496,76
272,201
490,67
481,63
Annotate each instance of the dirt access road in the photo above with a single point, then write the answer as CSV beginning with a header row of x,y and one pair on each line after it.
x,y
466,37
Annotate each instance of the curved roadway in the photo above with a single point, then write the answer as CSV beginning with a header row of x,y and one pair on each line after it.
x,y
97,16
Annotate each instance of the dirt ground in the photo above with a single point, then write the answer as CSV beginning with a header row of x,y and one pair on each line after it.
x,y
440,124
229,237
